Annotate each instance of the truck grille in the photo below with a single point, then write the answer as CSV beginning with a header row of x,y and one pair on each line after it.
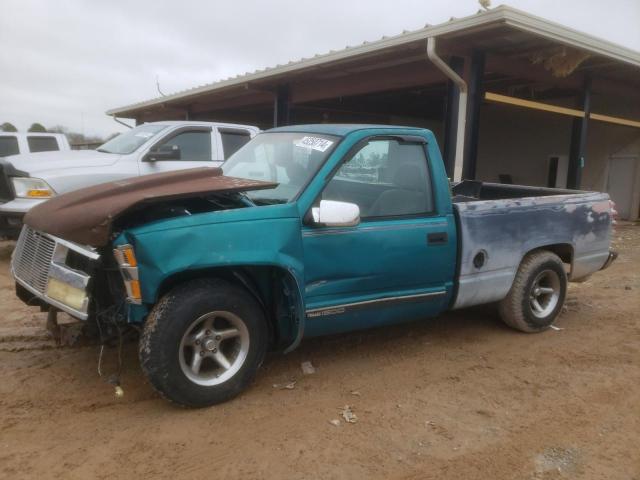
x,y
32,258
6,191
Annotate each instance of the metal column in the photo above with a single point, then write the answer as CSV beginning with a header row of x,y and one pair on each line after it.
x,y
281,107
578,149
476,93
461,84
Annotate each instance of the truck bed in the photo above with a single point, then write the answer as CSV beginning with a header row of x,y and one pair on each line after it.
x,y
499,224
473,190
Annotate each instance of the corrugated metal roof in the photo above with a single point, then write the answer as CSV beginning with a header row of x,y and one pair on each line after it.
x,y
500,15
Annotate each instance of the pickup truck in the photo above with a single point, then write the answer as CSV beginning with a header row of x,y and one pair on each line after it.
x,y
29,179
305,231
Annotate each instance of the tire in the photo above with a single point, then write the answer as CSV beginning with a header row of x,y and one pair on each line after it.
x,y
537,294
203,342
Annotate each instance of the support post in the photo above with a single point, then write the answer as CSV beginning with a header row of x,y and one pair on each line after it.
x,y
579,130
281,106
451,117
476,93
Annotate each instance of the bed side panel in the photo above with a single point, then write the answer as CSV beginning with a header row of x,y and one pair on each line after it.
x,y
505,230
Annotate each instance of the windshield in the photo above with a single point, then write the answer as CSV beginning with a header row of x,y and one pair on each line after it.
x,y
290,159
130,141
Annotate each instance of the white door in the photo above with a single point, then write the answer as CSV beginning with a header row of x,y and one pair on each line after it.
x,y
620,183
194,147
557,168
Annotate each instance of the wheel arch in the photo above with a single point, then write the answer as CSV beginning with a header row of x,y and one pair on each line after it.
x,y
275,288
564,251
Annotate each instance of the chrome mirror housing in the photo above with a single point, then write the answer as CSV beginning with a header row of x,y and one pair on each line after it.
x,y
332,213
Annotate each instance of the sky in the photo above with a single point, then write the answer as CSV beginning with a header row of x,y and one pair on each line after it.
x,y
67,62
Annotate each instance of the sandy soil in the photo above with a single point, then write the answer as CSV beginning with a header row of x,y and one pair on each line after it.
x,y
459,397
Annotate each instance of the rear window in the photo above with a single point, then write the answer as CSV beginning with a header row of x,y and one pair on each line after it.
x,y
8,145
233,140
42,144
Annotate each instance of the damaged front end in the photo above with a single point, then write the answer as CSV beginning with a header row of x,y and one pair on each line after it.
x,y
68,258
61,276
50,271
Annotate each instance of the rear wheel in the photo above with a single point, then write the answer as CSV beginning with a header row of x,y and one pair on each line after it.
x,y
203,342
537,294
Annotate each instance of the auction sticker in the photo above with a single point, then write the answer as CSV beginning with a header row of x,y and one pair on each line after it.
x,y
314,143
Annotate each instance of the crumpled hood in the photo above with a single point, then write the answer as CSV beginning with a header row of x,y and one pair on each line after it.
x,y
86,216
37,163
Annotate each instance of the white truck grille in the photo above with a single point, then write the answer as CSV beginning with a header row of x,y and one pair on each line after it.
x,y
54,270
32,258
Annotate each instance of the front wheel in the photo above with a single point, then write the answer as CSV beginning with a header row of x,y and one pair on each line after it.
x,y
537,294
203,342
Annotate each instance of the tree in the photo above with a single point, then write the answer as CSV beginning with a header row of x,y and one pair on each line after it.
x,y
8,127
37,128
76,138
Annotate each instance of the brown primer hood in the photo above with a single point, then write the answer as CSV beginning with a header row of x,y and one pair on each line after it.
x,y
86,216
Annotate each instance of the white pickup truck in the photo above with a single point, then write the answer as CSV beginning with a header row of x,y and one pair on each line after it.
x,y
29,179
15,143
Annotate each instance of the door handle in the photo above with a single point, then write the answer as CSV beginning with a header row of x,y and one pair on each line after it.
x,y
437,238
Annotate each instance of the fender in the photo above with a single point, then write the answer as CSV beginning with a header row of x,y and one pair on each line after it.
x,y
231,239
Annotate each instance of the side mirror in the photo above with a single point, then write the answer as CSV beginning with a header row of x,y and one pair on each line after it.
x,y
331,213
163,152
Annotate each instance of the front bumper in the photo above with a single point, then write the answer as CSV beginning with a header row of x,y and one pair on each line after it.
x,y
610,259
54,272
12,213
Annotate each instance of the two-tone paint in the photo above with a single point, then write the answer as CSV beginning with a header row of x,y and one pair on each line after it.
x,y
496,234
380,271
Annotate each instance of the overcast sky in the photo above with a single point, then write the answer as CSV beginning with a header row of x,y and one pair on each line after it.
x,y
68,61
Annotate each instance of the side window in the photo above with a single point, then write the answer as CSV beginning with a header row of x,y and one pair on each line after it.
x,y
385,178
233,140
8,145
42,144
195,145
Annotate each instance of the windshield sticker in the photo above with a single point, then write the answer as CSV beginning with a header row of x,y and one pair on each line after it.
x,y
314,143
144,134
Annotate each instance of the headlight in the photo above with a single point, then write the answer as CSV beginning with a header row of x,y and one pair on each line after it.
x,y
26,187
72,296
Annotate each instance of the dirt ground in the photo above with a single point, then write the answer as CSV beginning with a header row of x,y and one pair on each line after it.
x,y
457,397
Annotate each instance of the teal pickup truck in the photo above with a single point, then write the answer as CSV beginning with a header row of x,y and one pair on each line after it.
x,y
305,231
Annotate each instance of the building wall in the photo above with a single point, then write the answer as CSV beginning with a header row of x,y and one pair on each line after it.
x,y
519,141
604,141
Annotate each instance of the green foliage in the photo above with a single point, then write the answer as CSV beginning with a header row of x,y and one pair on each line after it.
x,y
8,127
37,128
